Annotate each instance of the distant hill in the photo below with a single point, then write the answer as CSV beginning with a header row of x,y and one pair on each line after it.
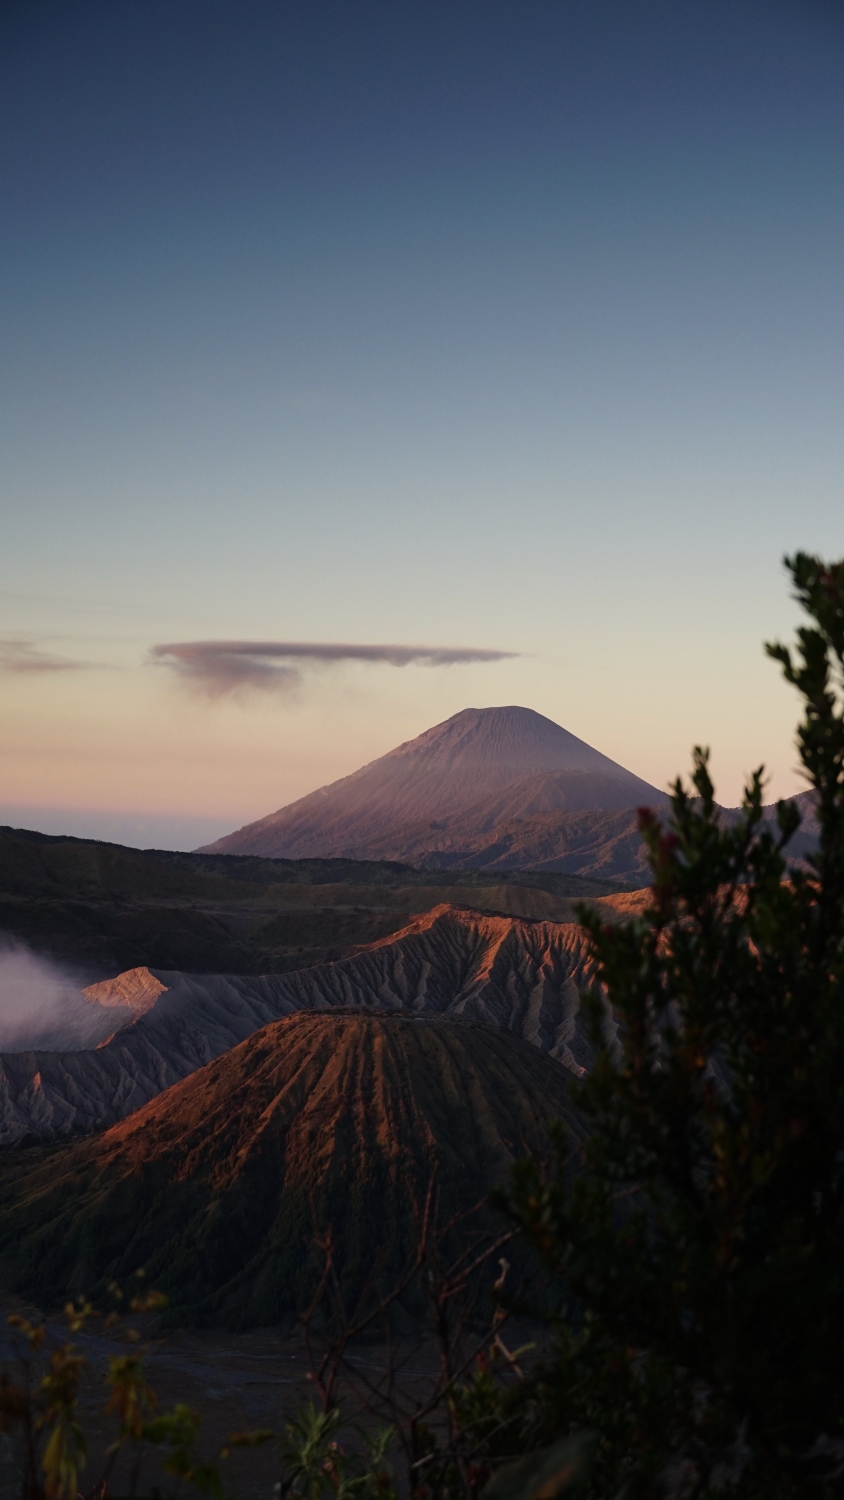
x,y
522,975
489,790
100,908
211,1187
455,785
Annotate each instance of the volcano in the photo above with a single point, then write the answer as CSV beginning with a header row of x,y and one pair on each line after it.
x,y
216,1186
520,974
481,769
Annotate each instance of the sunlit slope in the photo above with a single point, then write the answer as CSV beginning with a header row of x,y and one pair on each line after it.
x,y
522,975
483,766
212,1186
593,843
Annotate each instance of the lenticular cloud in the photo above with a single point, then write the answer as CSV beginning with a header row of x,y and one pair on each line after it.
x,y
220,667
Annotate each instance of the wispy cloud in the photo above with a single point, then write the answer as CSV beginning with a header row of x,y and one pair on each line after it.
x,y
220,667
25,657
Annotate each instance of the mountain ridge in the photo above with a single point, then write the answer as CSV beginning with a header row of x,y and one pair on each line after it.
x,y
480,764
520,974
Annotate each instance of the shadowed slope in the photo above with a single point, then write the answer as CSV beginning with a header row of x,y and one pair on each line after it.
x,y
523,975
100,908
462,764
208,1187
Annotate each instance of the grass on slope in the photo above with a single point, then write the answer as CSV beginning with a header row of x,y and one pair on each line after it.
x,y
107,908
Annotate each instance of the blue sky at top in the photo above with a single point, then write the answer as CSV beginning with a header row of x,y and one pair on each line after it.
x,y
512,326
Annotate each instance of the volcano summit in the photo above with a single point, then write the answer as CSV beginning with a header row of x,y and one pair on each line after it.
x,y
326,1119
456,792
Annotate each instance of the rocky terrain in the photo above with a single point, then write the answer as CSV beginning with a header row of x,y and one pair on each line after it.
x,y
596,844
406,1019
521,975
600,844
479,770
335,1119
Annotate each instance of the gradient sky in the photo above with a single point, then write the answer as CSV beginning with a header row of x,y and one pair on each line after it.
x,y
509,327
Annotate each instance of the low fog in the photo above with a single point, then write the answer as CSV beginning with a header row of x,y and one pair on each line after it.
x,y
42,1006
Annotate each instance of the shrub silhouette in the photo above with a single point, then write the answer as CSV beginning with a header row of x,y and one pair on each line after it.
x,y
701,1247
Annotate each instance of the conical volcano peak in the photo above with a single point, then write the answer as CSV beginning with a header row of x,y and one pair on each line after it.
x,y
506,742
326,1117
481,767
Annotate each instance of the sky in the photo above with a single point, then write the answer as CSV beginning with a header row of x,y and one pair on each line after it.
x,y
506,336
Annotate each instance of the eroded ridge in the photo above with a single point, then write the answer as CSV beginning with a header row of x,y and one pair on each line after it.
x,y
521,975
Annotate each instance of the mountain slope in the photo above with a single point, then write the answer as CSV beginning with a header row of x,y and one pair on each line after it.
x,y
483,763
100,908
602,844
519,974
593,844
209,1187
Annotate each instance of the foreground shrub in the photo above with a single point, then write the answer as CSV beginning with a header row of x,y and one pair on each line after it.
x,y
698,1236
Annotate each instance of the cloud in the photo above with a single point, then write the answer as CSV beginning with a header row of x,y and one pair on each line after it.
x,y
220,667
24,656
42,1007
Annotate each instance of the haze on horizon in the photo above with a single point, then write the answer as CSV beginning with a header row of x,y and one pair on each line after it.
x,y
364,364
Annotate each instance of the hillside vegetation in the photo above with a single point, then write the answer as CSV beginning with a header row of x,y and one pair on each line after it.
x,y
107,908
